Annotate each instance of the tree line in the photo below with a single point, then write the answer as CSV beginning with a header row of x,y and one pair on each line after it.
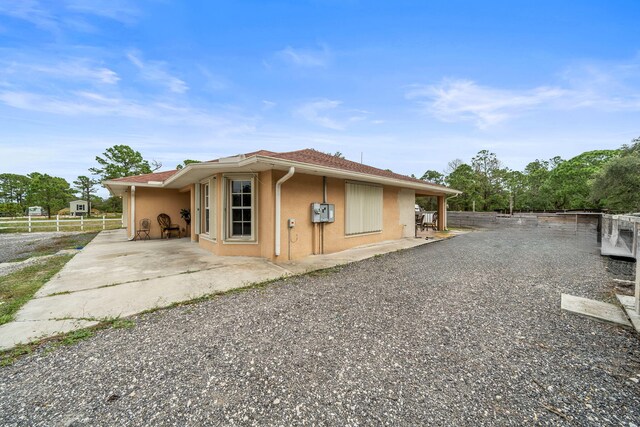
x,y
18,192
598,179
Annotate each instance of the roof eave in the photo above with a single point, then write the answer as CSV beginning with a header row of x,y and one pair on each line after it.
x,y
359,176
285,164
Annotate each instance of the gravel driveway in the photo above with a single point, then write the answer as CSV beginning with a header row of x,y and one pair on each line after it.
x,y
462,332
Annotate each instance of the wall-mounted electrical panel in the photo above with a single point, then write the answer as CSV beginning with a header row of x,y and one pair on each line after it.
x,y
323,212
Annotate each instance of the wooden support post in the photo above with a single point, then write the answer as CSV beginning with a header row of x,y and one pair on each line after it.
x,y
58,223
442,213
104,223
81,223
29,223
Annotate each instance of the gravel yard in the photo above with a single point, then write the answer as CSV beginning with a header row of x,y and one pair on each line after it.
x,y
19,245
466,331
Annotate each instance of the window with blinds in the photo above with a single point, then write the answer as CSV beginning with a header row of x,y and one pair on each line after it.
x,y
363,208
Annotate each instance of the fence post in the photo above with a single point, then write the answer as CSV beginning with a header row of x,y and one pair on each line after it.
x,y
29,223
81,223
104,223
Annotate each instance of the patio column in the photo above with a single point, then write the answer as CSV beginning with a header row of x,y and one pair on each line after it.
x,y
442,213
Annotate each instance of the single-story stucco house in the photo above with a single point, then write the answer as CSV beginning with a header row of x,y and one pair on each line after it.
x,y
279,205
78,208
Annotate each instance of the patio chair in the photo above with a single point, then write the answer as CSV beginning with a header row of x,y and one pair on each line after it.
x,y
166,227
142,232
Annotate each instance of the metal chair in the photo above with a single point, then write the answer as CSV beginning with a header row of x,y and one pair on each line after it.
x,y
166,227
142,233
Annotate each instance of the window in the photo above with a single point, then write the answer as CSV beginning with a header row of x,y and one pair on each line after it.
x,y
208,203
79,207
240,208
363,208
207,220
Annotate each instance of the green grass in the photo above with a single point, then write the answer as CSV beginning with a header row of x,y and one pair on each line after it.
x,y
73,337
8,357
19,287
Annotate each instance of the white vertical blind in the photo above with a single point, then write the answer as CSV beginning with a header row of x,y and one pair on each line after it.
x,y
363,208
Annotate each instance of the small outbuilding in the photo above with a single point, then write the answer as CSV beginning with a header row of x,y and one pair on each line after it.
x,y
36,211
78,208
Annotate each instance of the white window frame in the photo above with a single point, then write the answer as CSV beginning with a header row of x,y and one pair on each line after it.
x,y
359,223
227,223
208,197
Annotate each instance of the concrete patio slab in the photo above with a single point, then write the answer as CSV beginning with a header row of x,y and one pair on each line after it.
x,y
112,277
628,302
594,309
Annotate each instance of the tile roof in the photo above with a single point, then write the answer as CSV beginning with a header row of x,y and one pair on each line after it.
x,y
311,156
308,156
157,176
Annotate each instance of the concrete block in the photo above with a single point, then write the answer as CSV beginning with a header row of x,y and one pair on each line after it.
x,y
595,309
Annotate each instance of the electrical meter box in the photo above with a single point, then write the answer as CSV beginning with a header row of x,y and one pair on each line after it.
x,y
323,212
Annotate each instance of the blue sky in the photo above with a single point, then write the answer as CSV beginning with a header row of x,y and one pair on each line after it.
x,y
411,85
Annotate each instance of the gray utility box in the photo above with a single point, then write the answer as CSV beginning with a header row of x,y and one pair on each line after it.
x,y
323,212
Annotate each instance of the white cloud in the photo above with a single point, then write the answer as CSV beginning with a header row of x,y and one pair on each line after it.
x,y
608,87
464,100
87,103
117,10
72,69
315,112
154,71
58,16
31,11
306,57
214,82
329,114
268,105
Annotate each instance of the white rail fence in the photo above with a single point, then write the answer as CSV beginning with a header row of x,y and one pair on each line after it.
x,y
60,223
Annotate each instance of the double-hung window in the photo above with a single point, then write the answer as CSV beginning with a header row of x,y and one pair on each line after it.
x,y
240,207
363,208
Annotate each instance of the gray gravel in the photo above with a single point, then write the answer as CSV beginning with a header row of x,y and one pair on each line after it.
x,y
462,332
16,245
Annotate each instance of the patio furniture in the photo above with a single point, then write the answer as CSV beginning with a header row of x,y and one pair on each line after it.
x,y
142,233
166,227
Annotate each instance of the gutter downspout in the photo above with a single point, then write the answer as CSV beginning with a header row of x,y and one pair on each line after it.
x,y
132,212
446,221
281,181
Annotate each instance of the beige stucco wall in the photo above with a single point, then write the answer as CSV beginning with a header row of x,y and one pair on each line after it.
x,y
151,202
306,239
